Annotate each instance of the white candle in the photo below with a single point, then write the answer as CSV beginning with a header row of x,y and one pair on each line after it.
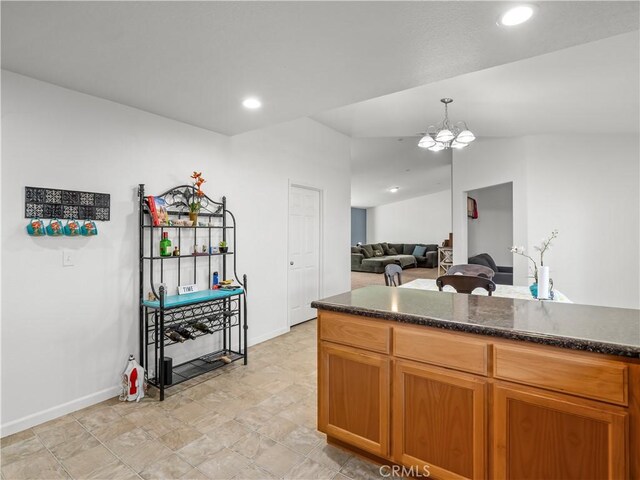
x,y
543,283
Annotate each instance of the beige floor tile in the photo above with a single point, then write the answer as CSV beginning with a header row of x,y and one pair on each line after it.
x,y
252,472
254,417
114,471
224,464
180,437
194,474
329,456
19,450
275,404
166,468
58,434
99,418
252,445
158,427
190,413
302,439
277,428
360,469
228,433
56,422
16,437
211,422
74,446
278,460
200,450
127,441
310,470
89,461
37,466
138,458
113,430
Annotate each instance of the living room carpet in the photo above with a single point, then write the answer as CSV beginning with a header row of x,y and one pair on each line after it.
x,y
363,279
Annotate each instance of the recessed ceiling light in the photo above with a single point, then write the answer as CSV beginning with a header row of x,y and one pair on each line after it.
x,y
516,15
394,189
251,103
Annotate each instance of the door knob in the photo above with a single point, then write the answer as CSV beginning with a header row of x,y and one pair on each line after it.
x,y
290,263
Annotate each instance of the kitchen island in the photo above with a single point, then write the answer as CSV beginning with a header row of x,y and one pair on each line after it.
x,y
466,386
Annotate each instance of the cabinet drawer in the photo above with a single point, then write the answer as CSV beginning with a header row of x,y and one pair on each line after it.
x,y
440,348
350,330
599,379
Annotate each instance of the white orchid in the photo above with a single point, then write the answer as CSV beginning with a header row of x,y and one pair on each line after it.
x,y
545,244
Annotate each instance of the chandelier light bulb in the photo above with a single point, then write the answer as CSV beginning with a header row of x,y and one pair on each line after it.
x,y
444,136
465,136
426,141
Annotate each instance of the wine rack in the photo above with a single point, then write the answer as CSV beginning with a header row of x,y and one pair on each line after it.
x,y
217,317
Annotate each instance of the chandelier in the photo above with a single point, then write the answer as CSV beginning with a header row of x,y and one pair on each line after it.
x,y
446,134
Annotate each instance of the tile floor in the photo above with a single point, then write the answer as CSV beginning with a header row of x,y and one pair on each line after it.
x,y
253,422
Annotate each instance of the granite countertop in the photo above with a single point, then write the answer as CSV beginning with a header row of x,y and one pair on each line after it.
x,y
614,331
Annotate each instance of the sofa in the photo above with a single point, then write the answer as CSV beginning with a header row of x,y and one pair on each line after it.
x,y
502,275
376,256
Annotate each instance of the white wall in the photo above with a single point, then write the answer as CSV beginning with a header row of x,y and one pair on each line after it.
x,y
68,331
492,231
425,219
585,186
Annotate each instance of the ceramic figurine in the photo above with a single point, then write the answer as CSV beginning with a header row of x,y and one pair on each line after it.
x,y
132,381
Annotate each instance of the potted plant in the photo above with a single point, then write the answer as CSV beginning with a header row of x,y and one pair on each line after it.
x,y
196,203
546,244
223,247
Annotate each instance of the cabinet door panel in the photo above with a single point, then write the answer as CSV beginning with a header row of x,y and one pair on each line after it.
x,y
439,420
544,435
354,397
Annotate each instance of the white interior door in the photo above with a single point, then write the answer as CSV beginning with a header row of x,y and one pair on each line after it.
x,y
304,253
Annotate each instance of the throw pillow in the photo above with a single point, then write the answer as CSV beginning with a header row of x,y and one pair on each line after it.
x,y
385,248
377,248
392,251
355,250
378,253
419,251
367,251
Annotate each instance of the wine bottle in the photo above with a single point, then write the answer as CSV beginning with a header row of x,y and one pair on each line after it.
x,y
173,335
184,332
201,327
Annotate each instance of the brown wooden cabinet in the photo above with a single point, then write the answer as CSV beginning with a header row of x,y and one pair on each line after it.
x,y
439,420
467,406
354,395
538,434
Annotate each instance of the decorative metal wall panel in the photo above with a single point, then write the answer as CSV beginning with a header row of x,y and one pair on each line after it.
x,y
66,204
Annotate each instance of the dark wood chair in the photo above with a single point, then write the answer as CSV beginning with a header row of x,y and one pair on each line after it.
x,y
471,270
392,275
465,283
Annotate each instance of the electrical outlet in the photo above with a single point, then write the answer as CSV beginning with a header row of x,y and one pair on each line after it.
x,y
68,258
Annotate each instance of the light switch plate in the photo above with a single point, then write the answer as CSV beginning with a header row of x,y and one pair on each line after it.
x,y
68,258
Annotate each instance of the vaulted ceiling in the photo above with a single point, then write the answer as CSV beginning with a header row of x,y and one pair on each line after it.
x,y
196,61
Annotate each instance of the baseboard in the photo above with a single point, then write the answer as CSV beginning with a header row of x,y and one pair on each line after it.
x,y
29,421
268,336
